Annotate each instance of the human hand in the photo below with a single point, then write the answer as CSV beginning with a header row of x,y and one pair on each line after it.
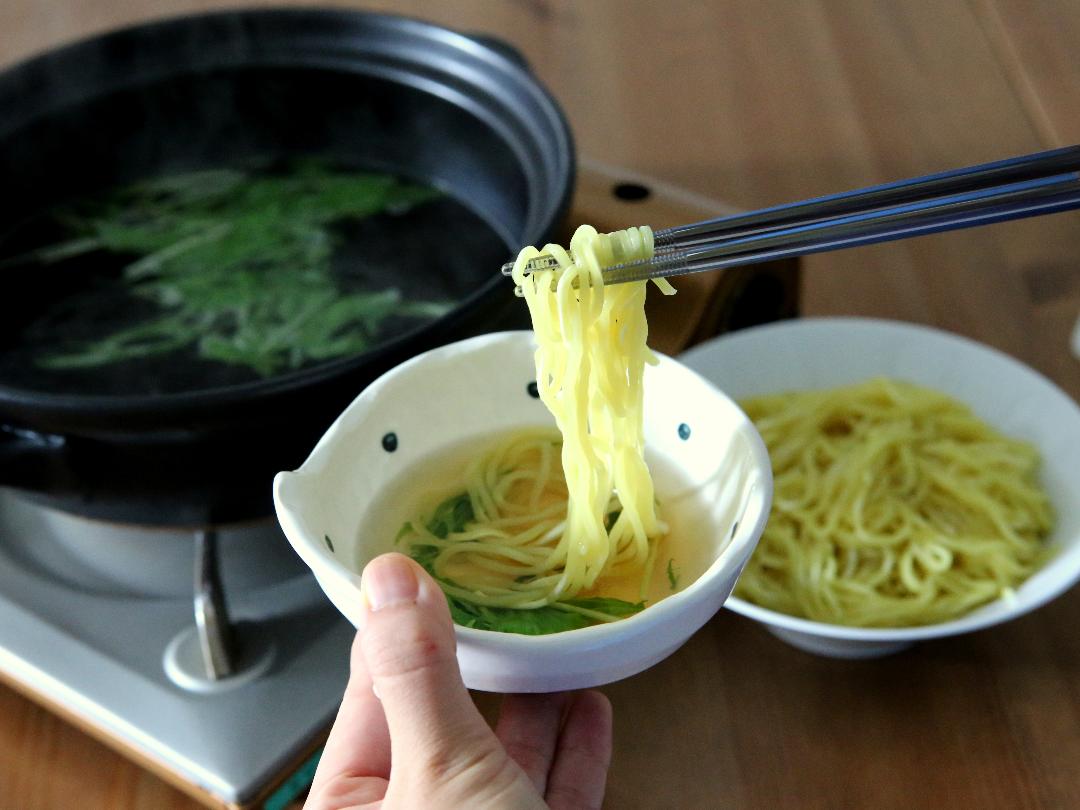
x,y
407,734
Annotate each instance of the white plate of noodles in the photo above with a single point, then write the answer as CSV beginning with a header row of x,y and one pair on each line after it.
x,y
884,533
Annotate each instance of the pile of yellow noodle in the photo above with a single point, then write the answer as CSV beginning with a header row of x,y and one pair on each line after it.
x,y
544,530
893,505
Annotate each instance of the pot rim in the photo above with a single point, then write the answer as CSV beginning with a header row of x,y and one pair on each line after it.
x,y
497,59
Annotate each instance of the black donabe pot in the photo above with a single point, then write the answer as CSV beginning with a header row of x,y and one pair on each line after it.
x,y
461,112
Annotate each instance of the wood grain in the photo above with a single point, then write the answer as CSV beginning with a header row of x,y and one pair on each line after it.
x,y
758,102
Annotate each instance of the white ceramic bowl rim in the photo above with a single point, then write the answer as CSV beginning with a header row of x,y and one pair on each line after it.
x,y
1057,575
747,533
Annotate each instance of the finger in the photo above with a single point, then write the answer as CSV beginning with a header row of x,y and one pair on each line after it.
x,y
408,644
359,741
579,773
528,728
348,793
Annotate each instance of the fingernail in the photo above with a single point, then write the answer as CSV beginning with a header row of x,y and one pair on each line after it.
x,y
389,580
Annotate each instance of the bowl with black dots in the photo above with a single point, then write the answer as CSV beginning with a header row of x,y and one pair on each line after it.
x,y
345,504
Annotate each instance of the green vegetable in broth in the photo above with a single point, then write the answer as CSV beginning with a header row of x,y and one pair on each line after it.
x,y
672,574
238,265
451,516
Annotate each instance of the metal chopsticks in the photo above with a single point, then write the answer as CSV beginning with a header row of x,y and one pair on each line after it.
x,y
1041,183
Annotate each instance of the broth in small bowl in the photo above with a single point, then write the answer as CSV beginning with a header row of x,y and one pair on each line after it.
x,y
402,444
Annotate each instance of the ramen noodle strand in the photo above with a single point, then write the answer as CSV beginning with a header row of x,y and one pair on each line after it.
x,y
539,534
894,506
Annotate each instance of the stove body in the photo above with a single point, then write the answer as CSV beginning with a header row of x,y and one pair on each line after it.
x,y
97,623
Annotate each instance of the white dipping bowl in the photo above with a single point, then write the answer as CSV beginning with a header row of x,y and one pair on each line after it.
x,y
478,388
1018,401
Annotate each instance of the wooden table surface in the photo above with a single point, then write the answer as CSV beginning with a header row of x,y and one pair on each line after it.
x,y
758,102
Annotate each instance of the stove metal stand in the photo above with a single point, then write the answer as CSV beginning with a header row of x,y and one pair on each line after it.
x,y
96,621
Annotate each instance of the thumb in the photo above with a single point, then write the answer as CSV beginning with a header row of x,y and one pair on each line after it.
x,y
407,639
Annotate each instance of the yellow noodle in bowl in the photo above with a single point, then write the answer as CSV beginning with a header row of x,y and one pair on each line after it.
x,y
894,506
1037,421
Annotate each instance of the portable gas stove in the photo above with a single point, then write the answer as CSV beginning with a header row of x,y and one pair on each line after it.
x,y
225,697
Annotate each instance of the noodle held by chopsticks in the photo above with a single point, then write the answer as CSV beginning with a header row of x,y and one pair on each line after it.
x,y
548,515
